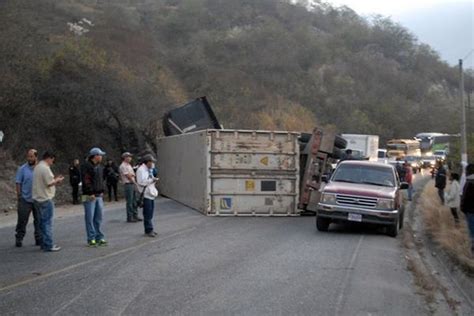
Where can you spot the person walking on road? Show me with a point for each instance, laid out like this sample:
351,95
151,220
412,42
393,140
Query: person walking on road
127,177
453,196
92,176
111,176
24,191
440,180
467,202
44,190
74,180
408,177
146,186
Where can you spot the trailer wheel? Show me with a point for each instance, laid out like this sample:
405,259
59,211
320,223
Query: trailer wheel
340,142
322,224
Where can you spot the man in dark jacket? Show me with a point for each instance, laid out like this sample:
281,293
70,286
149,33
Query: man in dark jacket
74,180
467,202
440,180
111,176
92,175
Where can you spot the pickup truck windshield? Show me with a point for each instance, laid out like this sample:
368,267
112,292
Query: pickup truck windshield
373,175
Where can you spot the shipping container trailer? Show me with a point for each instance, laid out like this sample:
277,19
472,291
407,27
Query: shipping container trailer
232,172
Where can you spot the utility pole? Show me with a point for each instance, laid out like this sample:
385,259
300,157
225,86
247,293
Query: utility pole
463,124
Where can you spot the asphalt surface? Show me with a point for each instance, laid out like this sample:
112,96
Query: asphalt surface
208,266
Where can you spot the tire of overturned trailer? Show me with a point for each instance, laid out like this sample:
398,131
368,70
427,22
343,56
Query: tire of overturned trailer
305,137
340,142
337,153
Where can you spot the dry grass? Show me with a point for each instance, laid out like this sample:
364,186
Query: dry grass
440,225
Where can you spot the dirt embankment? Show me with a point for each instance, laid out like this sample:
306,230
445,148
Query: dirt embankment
7,184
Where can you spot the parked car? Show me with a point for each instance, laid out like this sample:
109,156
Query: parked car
361,191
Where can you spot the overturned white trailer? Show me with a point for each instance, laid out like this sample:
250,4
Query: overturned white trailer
232,172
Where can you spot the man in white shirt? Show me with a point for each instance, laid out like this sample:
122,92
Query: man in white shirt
127,177
146,185
44,190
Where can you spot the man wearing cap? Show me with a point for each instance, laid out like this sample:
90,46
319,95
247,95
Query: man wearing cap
146,184
127,177
92,197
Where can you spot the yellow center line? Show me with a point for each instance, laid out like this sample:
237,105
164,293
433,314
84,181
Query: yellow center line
83,263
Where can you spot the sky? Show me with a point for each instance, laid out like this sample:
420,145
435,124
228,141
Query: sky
388,7
446,25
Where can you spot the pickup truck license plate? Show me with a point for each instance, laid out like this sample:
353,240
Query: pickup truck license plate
355,217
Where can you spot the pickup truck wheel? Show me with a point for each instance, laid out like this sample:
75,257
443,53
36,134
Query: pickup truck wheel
393,230
322,224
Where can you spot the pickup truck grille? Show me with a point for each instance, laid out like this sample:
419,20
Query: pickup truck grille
356,201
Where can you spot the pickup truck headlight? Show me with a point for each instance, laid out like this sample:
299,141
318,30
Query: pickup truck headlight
386,204
328,198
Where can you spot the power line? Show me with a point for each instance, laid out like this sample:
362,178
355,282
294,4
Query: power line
468,54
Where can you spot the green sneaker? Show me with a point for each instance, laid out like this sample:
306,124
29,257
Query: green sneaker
92,243
102,242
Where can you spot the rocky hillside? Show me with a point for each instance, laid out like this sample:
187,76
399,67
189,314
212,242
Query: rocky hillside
79,73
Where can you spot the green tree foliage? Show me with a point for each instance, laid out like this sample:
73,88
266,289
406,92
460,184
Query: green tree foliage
263,64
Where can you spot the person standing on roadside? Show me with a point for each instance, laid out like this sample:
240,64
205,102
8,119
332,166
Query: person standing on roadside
111,176
453,196
92,176
74,180
127,177
24,191
408,177
146,185
467,202
400,170
44,190
440,180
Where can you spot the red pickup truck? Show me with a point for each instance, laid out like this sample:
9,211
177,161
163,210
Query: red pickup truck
362,191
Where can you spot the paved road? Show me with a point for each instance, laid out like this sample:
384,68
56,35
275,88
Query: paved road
203,265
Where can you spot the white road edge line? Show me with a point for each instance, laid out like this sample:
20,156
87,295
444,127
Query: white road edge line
347,276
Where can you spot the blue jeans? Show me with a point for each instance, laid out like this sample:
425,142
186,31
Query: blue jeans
129,190
410,192
148,210
470,225
46,211
93,211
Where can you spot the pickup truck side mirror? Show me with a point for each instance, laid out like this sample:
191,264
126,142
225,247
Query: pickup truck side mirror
404,186
324,178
